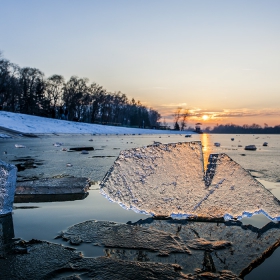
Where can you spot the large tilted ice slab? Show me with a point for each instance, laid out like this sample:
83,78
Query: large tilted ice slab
169,180
7,187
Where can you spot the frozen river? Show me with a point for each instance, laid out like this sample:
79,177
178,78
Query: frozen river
45,220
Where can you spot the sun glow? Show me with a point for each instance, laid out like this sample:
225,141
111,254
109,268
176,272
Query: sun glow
205,117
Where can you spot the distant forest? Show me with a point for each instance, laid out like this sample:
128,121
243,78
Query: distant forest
26,90
244,129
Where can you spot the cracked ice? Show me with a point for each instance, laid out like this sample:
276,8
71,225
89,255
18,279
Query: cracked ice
169,180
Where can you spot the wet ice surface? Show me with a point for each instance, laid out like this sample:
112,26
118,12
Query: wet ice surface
262,161
50,261
169,180
51,160
210,246
57,216
249,246
111,234
173,248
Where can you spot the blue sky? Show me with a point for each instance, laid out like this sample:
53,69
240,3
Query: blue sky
216,58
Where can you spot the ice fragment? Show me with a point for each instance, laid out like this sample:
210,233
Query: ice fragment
7,187
169,180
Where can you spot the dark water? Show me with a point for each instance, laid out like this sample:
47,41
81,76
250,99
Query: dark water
46,220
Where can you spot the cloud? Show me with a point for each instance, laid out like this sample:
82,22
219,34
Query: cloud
239,115
151,88
174,105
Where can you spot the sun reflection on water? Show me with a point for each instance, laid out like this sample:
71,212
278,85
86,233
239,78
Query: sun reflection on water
206,150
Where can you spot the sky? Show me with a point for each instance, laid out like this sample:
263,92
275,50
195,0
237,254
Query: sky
218,59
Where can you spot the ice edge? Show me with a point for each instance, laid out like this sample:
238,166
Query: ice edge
133,208
227,216
247,214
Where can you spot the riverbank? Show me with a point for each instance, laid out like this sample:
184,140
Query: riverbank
21,123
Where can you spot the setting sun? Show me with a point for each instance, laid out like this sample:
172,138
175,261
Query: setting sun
205,117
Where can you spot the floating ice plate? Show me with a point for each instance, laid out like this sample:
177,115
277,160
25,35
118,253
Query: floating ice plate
169,180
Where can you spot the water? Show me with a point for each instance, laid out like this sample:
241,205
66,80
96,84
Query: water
48,219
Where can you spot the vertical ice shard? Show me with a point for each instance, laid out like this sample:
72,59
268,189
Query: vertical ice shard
7,187
169,180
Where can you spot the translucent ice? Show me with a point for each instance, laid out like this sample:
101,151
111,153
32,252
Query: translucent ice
7,187
169,180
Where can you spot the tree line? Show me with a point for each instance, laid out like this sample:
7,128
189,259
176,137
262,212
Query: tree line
26,90
244,129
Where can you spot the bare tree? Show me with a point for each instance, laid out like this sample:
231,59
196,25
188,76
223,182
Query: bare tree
154,117
54,89
74,92
32,85
184,117
177,115
120,101
98,95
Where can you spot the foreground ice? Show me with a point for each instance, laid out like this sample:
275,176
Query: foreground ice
249,247
52,189
112,234
169,180
37,259
147,249
197,247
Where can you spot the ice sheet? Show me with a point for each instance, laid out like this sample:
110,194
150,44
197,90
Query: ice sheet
169,180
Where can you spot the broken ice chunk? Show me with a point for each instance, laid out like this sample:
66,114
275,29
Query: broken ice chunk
19,146
112,234
149,175
57,144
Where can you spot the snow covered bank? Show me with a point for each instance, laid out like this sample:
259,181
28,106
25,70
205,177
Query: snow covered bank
33,124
